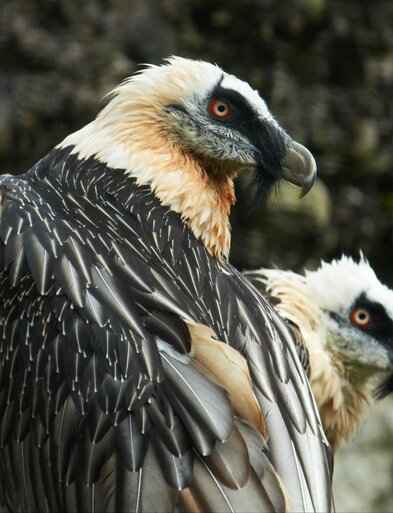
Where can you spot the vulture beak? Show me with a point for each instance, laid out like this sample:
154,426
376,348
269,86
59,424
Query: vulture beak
299,167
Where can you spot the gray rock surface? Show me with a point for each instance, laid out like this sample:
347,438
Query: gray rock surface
326,70
363,480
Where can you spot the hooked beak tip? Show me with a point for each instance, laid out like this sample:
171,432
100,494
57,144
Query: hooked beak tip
307,186
299,167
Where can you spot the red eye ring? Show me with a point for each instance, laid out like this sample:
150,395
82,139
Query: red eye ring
361,317
219,109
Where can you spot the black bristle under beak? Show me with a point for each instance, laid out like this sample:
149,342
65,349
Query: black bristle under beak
263,184
271,142
384,389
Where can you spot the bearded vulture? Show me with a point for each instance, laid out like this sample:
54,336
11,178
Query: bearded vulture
341,317
141,372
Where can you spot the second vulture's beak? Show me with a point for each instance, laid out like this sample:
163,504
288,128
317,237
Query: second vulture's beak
299,167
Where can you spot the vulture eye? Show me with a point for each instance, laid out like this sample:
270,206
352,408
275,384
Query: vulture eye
361,317
219,109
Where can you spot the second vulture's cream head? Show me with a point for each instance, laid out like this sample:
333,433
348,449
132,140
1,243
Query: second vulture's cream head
187,128
359,315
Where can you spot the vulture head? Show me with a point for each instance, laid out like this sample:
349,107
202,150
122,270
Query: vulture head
358,312
187,128
342,317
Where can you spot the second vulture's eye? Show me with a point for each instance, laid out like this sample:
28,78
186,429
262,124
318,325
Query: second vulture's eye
361,317
219,109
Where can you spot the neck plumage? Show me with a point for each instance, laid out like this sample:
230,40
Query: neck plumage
341,399
141,148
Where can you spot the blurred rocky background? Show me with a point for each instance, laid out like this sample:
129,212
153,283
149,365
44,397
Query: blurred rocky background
325,68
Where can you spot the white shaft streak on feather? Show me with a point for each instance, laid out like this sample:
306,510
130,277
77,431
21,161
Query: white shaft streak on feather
12,309
216,483
80,259
192,274
76,368
130,269
30,219
24,473
54,247
20,225
57,236
129,317
299,472
138,497
17,261
131,445
94,373
83,214
75,232
149,249
7,235
94,444
249,322
78,341
104,264
77,292
172,306
91,300
127,360
189,387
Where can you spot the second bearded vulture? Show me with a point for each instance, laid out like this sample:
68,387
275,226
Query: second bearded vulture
140,372
341,317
